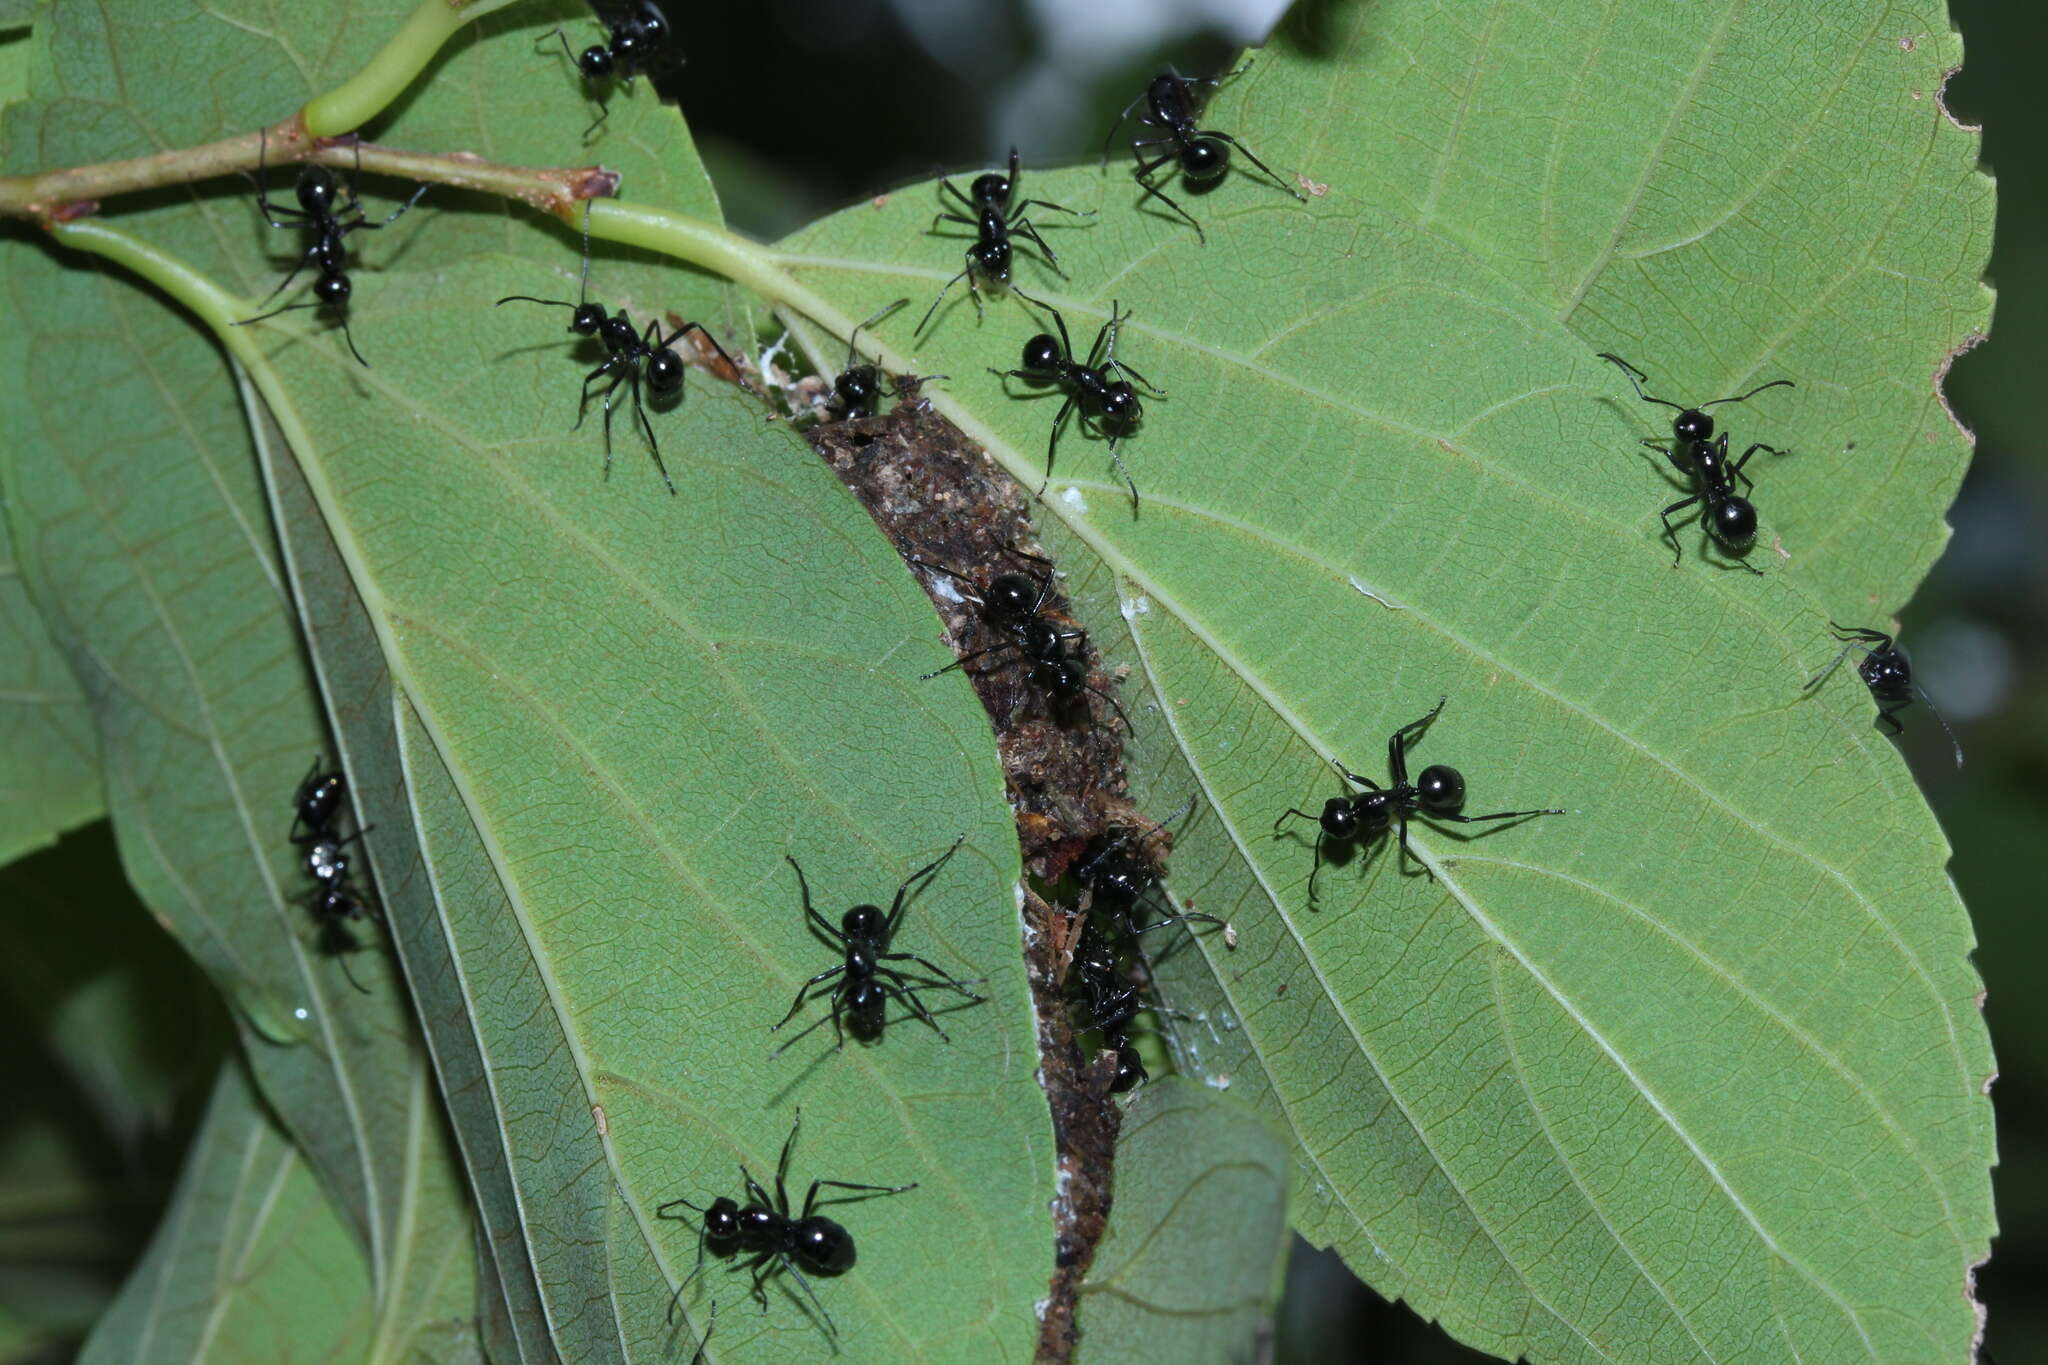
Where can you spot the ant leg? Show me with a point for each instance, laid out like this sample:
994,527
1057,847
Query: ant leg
701,330
1118,461
1875,637
286,282
1497,815
946,186
1888,719
1112,705
808,1029
583,399
1315,867
1397,743
1253,157
939,218
1053,442
966,659
646,427
604,111
1736,468
1673,454
811,1201
896,907
790,1266
1407,853
393,215
1670,531
1147,168
817,920
1636,378
1121,368
1291,811
1120,119
349,337
805,990
1023,227
936,302
943,980
902,988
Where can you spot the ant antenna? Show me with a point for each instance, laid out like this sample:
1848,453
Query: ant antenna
851,353
1936,713
1775,383
293,308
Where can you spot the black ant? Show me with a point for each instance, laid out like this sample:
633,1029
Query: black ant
1695,453
1438,793
627,355
1108,404
858,389
996,216
765,1230
1112,1004
1117,871
1203,154
1888,673
864,934
1013,604
329,208
636,39
316,805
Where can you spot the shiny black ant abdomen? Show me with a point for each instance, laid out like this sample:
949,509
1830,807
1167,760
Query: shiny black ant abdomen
765,1230
865,982
1202,155
638,38
1888,673
329,208
1106,399
1701,458
333,901
1438,793
997,214
630,357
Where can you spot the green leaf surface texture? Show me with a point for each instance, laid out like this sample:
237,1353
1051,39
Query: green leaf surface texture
1695,1071
252,1263
1197,1243
49,771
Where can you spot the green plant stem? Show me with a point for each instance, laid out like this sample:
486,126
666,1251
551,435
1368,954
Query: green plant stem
366,94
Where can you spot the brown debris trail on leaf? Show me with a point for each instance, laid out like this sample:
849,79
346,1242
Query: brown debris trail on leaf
942,501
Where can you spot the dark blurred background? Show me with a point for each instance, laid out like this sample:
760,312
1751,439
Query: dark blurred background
892,89
889,90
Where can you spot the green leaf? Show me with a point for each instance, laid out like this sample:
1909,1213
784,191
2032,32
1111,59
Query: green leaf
1197,1242
49,775
1714,1032
606,711
252,1263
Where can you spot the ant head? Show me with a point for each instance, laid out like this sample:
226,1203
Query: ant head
722,1220
1120,404
857,389
1734,522
316,190
1888,673
1440,789
664,372
1339,819
1130,1069
617,333
991,259
1042,354
331,289
1117,872
1204,159
991,192
1010,594
595,62
326,862
1692,425
588,319
862,922
319,797
823,1247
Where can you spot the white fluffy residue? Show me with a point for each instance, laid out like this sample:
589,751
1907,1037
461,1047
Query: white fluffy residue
1071,496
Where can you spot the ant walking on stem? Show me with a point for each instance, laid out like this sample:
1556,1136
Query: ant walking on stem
329,208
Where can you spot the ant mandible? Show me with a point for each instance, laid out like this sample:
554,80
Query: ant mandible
765,1230
997,214
858,389
864,934
1695,453
1110,405
1438,793
637,38
1203,154
319,193
1888,673
1013,604
627,355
